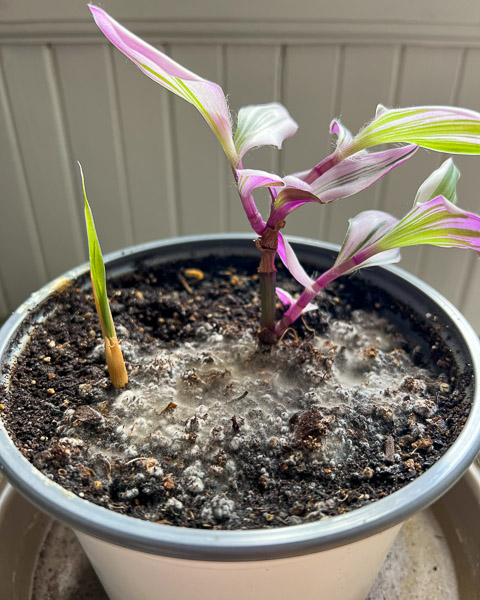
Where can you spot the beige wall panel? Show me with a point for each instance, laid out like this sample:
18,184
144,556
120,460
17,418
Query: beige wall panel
470,301
365,80
407,11
145,123
32,87
309,86
90,98
252,76
22,265
198,155
427,76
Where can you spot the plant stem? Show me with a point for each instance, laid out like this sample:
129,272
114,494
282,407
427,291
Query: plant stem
296,309
268,244
267,296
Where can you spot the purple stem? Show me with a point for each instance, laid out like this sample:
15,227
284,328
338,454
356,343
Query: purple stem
268,297
253,215
296,309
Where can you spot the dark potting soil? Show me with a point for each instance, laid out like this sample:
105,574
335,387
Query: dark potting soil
214,431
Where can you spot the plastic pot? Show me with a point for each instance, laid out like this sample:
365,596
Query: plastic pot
333,559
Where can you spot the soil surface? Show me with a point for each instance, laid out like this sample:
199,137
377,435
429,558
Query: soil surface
217,431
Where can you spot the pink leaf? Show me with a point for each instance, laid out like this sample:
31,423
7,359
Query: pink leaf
358,172
363,231
206,96
344,179
295,193
290,260
285,297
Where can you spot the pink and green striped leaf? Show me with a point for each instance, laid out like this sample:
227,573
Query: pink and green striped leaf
206,96
363,231
441,128
359,172
348,177
437,222
374,237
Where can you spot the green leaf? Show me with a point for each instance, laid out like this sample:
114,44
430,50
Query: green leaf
437,222
97,268
440,128
442,182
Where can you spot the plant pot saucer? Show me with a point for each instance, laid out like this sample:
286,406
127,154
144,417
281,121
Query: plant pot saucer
436,556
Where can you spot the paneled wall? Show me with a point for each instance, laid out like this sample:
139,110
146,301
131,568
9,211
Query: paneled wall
153,169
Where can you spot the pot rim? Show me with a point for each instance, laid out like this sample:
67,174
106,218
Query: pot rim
256,544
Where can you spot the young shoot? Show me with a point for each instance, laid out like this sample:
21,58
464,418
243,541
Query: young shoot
373,237
113,352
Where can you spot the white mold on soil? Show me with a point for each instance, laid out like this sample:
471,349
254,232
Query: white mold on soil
202,390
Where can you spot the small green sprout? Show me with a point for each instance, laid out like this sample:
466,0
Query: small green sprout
113,352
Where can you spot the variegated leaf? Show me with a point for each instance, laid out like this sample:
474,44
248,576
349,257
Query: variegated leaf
263,125
441,128
442,182
206,96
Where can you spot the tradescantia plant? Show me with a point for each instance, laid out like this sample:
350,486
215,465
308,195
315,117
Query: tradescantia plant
373,237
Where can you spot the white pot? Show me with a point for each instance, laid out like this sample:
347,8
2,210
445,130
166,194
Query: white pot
343,573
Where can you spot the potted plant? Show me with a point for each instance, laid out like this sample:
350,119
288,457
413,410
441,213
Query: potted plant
336,556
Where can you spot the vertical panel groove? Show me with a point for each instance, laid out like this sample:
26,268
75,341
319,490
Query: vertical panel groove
281,92
226,172
173,171
459,73
66,153
397,74
30,216
392,99
278,97
119,148
222,167
467,283
334,104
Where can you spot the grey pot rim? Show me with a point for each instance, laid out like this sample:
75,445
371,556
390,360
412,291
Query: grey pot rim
257,544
